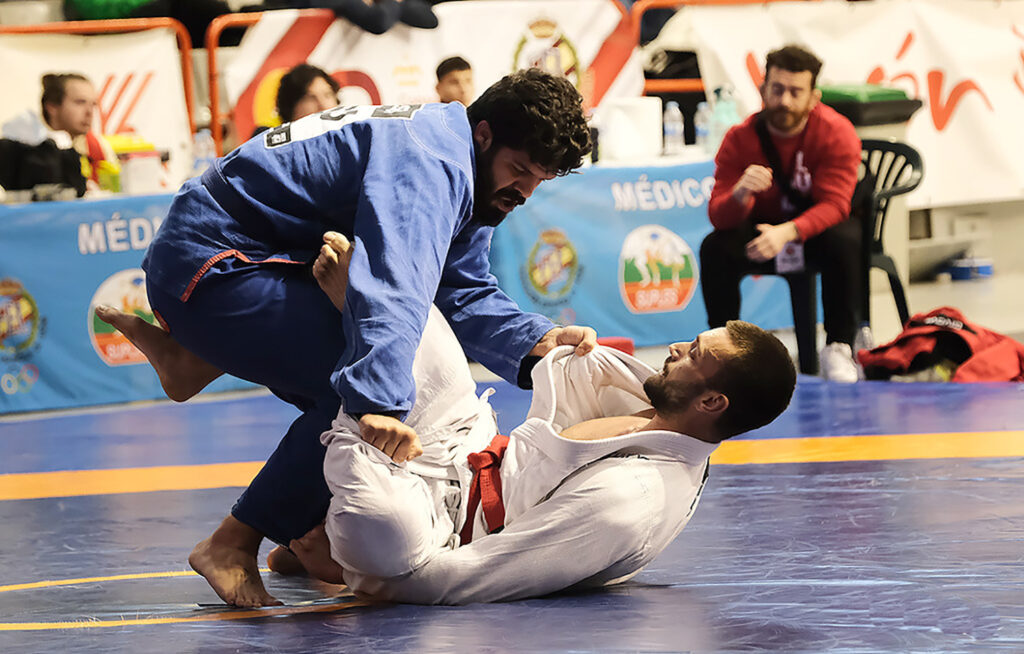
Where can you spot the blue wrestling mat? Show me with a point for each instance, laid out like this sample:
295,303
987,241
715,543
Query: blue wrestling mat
873,517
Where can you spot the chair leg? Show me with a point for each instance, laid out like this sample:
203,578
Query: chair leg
885,263
803,296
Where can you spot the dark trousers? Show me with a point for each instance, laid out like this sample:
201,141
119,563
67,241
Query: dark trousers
271,325
835,253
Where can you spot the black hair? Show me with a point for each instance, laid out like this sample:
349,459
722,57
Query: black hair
537,112
794,59
294,85
55,88
452,65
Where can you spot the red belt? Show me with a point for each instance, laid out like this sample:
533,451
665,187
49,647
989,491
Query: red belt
486,488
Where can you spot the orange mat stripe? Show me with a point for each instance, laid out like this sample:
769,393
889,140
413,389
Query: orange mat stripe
993,444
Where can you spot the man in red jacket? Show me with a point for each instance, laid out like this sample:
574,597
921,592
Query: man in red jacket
784,178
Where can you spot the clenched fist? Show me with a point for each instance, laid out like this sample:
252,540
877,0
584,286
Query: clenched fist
391,436
755,179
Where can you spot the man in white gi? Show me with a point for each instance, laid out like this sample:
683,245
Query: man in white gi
603,475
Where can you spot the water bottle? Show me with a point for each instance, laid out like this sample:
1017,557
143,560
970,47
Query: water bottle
702,127
672,124
204,151
724,116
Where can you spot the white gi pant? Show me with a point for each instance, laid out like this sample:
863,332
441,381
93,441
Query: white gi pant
386,519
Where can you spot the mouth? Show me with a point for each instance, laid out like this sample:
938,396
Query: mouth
507,203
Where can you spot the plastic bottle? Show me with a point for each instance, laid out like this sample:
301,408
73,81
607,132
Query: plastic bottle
724,116
702,127
672,125
204,151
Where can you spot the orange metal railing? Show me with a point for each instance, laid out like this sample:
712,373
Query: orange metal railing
677,85
213,32
125,25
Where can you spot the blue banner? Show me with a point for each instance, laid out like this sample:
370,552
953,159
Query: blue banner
58,261
617,249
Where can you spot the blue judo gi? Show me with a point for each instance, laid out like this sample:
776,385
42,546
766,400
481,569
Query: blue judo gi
228,273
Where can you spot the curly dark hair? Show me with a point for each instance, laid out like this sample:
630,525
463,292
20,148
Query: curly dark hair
294,85
537,112
794,59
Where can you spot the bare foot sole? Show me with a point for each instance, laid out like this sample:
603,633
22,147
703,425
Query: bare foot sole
284,562
232,573
182,374
314,552
331,268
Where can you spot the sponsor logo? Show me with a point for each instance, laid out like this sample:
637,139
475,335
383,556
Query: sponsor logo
124,290
19,379
20,323
279,136
546,46
551,267
657,270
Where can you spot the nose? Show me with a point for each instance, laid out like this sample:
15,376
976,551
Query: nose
676,349
527,185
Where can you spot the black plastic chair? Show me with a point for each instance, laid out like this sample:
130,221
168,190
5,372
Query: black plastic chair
889,168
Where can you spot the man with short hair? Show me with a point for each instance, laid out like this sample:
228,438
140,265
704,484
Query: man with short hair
69,103
604,473
455,81
786,176
417,189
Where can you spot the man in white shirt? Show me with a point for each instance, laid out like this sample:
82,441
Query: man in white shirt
601,477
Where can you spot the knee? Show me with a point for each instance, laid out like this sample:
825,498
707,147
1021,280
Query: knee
378,545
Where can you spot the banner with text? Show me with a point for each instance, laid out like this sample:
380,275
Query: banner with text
137,77
58,262
588,41
617,249
964,59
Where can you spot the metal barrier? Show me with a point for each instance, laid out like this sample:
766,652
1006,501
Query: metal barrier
218,25
637,11
119,25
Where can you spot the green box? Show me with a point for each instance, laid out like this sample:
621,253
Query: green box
870,104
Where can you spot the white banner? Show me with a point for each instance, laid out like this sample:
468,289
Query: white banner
589,41
963,58
137,76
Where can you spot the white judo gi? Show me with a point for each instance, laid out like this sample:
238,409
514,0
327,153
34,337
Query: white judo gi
578,514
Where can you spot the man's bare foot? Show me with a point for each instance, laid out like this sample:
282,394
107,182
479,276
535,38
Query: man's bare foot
182,374
331,267
227,560
282,561
314,552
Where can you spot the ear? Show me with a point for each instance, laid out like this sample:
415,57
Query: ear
483,136
815,98
712,403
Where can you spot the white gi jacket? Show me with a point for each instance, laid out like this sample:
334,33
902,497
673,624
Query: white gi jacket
578,514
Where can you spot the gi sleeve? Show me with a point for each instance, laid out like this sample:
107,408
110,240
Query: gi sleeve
406,215
597,519
492,329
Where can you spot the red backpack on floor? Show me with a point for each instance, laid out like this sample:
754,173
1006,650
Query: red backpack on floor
944,334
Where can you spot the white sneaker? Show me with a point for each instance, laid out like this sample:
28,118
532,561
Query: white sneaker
837,364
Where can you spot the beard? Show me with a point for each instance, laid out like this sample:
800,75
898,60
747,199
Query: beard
484,193
671,397
784,120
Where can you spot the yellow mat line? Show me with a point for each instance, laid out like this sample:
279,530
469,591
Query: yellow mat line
992,444
53,583
207,617
68,483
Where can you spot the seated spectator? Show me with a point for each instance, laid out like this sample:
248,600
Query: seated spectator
304,90
785,176
68,106
455,81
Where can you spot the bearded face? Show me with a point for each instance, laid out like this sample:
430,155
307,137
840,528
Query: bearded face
670,396
788,99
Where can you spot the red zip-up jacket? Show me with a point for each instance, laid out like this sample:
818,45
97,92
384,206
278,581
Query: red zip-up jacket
821,162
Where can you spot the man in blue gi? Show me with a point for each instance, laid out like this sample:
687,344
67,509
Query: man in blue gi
417,189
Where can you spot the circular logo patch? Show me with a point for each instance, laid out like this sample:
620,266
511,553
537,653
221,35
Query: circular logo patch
19,318
657,270
551,267
124,290
546,46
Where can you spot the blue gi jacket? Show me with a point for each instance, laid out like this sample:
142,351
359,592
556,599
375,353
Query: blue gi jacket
396,180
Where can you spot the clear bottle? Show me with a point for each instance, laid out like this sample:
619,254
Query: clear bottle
724,116
204,151
672,125
702,127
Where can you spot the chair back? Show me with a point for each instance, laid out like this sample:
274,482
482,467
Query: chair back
897,168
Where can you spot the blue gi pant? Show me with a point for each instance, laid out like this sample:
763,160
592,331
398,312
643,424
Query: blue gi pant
272,325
